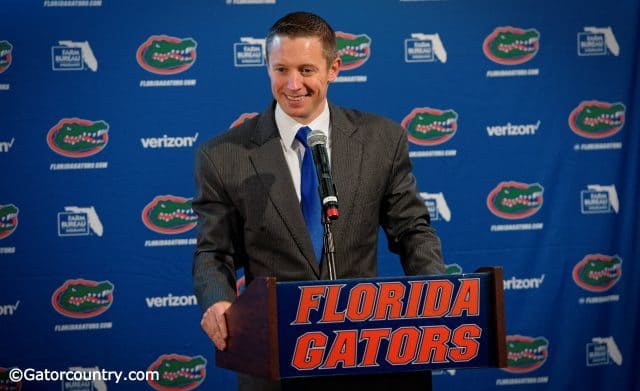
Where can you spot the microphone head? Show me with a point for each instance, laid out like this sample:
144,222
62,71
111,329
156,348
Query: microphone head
316,137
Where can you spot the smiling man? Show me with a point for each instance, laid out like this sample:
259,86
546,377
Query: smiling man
251,196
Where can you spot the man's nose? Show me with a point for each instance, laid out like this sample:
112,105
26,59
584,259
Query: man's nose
295,81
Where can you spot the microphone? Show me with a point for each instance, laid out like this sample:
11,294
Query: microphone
317,141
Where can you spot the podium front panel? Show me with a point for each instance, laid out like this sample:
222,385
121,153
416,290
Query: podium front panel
380,325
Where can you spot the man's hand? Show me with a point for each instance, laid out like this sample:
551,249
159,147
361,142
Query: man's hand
214,323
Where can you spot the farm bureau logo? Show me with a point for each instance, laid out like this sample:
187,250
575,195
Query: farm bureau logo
6,55
424,48
8,219
177,372
249,52
437,206
597,41
525,354
353,50
242,118
169,214
515,200
427,126
82,299
73,56
600,350
597,272
79,221
599,199
595,119
511,45
165,55
75,137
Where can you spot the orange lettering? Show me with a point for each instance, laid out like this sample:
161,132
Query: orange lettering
372,347
433,343
413,303
330,314
464,337
361,309
343,350
309,351
389,301
467,298
309,300
438,300
403,345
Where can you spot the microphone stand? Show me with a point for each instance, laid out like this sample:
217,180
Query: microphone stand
329,248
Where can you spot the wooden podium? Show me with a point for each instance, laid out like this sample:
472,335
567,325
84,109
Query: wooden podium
360,326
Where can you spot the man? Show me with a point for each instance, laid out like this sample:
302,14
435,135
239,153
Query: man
250,189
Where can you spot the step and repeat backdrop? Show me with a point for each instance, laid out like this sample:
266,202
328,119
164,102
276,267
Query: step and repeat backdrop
523,130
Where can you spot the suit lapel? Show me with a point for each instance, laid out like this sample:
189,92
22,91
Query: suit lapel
270,165
346,160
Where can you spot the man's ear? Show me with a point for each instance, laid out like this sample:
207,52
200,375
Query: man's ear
334,69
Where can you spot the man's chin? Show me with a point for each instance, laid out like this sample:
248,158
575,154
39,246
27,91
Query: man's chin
297,113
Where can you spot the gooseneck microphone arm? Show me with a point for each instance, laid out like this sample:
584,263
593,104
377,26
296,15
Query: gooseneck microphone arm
317,141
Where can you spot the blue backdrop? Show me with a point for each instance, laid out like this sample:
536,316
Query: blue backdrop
524,133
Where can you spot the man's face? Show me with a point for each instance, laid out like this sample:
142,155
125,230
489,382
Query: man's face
300,76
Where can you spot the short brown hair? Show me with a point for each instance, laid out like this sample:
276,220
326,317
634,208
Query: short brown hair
305,24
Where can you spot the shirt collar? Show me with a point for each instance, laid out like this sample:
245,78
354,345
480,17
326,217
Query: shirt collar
288,127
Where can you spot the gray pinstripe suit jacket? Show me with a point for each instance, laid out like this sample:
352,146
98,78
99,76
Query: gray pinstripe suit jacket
249,214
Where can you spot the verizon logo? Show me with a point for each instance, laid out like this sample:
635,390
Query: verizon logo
6,146
513,130
523,283
9,309
171,301
168,142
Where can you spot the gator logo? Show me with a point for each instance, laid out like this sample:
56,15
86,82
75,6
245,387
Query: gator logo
83,298
353,50
6,384
597,272
75,137
525,354
8,220
453,268
6,50
515,200
165,55
242,118
169,214
177,372
595,119
427,126
511,45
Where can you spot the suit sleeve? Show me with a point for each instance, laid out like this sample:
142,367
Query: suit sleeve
405,219
213,262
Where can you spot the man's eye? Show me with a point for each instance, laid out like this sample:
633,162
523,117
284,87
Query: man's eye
307,71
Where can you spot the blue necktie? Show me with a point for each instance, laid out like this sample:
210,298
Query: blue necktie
310,199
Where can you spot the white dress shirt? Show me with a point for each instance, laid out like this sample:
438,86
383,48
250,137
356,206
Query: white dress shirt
292,148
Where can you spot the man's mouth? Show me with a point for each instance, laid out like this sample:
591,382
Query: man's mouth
295,98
